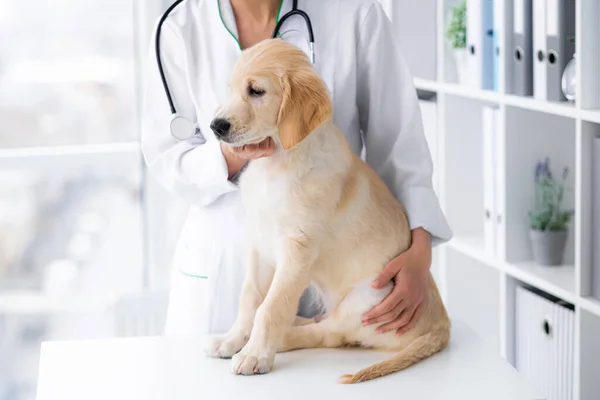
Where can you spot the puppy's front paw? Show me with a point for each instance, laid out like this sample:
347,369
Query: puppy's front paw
251,363
226,346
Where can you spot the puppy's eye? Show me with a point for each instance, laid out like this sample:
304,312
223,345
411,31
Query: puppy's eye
255,92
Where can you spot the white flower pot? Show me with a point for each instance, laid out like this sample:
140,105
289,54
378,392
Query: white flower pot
460,60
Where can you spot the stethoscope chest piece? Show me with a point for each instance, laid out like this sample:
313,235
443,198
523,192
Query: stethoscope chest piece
182,128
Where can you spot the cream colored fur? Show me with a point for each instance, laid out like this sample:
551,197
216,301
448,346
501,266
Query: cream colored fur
315,214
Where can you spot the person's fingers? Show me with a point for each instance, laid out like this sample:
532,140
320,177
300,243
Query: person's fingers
387,305
412,322
387,317
256,150
265,144
404,319
237,150
388,273
246,151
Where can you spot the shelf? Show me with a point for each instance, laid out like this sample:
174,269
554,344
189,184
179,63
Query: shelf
471,93
590,304
558,281
561,109
426,84
591,116
528,130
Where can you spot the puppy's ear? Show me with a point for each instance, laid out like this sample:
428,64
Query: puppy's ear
305,105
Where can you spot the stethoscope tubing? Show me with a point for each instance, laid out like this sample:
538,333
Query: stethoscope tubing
179,119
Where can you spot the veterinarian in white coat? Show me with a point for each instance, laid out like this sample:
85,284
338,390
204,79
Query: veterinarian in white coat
375,105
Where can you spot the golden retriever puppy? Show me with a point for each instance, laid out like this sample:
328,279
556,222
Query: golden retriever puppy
315,214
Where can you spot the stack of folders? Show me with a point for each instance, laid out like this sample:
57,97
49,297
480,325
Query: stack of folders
544,43
596,217
493,178
482,43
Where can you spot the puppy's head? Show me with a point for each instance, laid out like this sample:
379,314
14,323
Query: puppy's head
274,92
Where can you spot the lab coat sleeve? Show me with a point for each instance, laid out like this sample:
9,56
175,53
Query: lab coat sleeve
390,118
195,169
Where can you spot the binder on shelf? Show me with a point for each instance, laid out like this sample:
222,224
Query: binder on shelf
489,129
522,59
596,217
554,46
497,34
500,187
539,50
480,43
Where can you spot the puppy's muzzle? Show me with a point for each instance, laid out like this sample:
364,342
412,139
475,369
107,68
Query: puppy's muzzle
221,127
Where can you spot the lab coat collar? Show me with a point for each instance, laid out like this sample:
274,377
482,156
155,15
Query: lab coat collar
228,18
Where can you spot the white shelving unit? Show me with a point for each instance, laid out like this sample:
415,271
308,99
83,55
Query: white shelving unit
477,286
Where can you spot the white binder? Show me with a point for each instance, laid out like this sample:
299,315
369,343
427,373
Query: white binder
539,50
489,130
500,187
480,43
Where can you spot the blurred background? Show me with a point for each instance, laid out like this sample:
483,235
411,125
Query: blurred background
78,215
86,236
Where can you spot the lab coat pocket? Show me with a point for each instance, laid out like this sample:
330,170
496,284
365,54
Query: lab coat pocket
195,253
212,248
225,284
189,307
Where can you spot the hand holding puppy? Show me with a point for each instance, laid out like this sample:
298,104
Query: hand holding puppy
237,157
410,273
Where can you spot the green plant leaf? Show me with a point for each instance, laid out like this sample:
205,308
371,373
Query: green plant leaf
456,30
547,213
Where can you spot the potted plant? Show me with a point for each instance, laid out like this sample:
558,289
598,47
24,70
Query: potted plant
456,35
548,221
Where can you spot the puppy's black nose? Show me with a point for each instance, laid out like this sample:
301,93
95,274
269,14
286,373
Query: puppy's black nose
220,126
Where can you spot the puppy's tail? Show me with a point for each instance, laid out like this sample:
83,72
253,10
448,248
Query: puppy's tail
419,349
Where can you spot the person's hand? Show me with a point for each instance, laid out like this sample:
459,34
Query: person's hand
401,309
237,157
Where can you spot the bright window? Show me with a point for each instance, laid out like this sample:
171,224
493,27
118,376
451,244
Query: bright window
67,72
84,240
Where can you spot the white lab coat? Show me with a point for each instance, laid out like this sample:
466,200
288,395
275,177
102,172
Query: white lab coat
375,105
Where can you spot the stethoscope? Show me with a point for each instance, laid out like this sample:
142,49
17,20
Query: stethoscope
181,127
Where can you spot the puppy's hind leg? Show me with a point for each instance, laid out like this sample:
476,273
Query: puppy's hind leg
300,321
310,336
